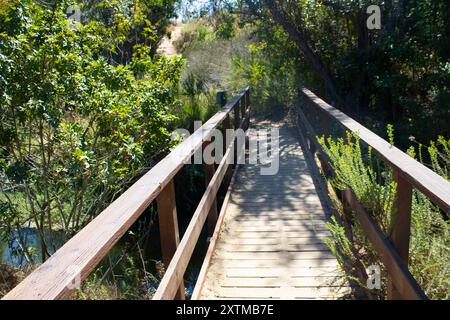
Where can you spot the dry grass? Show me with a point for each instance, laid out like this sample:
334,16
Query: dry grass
10,277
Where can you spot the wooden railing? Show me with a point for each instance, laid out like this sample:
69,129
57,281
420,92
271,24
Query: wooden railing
57,277
408,174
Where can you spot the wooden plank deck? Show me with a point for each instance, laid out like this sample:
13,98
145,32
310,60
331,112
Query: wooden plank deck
269,244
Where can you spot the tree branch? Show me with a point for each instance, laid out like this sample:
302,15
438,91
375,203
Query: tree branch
298,37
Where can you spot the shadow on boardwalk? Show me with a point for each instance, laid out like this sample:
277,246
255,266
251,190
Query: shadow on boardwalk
271,244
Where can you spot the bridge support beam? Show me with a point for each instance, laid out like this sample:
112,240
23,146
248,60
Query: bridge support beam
210,169
401,230
237,124
168,228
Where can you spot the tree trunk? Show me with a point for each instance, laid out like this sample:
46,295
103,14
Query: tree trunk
302,43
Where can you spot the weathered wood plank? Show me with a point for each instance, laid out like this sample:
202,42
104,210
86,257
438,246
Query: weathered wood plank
280,223
272,248
275,234
280,255
213,242
283,293
272,241
297,228
175,271
326,281
402,228
280,213
209,173
168,226
258,271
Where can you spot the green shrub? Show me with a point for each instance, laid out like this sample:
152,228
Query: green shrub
76,128
374,187
225,28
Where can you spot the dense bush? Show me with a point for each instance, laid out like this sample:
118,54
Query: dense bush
76,127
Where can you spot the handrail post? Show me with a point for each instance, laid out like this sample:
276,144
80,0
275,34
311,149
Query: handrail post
248,98
308,113
168,228
325,124
226,125
237,123
401,230
237,116
247,107
210,169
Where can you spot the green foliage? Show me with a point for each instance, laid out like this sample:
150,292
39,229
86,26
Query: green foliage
272,77
354,255
123,276
225,27
208,60
76,127
375,189
399,74
198,103
339,244
193,85
194,34
438,153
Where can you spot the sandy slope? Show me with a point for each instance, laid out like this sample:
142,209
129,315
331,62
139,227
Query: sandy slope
166,46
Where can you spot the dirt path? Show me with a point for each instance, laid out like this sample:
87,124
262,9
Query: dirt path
166,46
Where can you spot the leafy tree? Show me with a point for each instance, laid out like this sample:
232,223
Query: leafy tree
398,74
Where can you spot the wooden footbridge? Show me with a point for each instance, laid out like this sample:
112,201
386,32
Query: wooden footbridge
270,243
267,237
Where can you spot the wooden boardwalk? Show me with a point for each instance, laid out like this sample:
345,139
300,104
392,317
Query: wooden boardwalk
269,240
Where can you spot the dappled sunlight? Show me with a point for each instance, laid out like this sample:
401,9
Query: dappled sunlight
272,241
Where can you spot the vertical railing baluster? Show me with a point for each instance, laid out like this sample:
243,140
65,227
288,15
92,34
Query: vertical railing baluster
401,230
248,98
210,169
237,122
168,228
312,145
225,126
307,111
247,106
325,124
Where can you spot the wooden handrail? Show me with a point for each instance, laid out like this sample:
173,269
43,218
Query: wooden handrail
408,173
73,262
396,267
436,188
